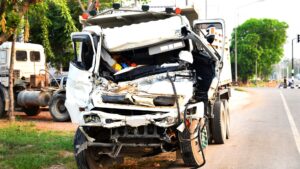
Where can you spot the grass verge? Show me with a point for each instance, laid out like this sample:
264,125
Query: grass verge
24,147
239,89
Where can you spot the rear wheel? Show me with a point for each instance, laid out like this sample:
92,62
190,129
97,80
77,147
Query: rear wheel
57,108
193,145
219,123
2,110
89,157
32,111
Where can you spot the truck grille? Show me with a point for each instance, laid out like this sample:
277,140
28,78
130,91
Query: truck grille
149,131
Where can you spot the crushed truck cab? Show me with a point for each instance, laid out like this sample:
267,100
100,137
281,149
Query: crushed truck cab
148,82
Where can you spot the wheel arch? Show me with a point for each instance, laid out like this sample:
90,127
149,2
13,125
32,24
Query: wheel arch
225,94
60,91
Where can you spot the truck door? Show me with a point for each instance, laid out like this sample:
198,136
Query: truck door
81,70
213,31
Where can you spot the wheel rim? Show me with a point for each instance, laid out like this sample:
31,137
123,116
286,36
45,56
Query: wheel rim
202,140
60,106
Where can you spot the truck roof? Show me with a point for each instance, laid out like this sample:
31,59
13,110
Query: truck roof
121,17
25,46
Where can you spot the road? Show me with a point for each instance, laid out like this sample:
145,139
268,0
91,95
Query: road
261,133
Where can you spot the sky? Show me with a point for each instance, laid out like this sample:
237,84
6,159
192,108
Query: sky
235,12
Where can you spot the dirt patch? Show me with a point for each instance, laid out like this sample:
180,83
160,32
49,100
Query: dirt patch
57,167
43,121
162,161
65,154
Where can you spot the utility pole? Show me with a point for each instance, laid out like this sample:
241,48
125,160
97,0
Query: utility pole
293,71
205,9
235,54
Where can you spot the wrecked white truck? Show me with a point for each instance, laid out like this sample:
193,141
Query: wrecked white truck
143,82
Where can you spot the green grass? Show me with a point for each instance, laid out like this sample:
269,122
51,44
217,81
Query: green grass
23,147
240,89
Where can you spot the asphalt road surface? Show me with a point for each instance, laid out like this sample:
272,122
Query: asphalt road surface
264,133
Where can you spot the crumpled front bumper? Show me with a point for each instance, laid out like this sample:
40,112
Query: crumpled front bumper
109,120
161,117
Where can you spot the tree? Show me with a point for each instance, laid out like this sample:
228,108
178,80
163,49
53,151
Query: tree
261,41
52,22
12,13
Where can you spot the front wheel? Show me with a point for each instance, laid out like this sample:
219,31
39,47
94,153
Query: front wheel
89,158
193,144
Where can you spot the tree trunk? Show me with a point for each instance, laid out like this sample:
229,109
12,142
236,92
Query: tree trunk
11,79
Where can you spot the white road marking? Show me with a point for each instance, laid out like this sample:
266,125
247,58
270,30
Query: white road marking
292,122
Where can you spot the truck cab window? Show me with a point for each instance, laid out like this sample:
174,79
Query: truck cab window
35,56
21,55
83,54
3,57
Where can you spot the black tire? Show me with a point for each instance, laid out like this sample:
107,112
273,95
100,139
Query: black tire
89,158
191,150
3,113
57,108
32,111
227,111
219,123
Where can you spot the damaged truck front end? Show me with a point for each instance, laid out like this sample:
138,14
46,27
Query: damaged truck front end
141,89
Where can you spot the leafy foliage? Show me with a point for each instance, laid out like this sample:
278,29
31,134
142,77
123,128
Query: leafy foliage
11,13
258,40
51,25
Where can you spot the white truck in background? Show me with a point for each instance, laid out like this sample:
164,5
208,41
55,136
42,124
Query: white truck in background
31,82
145,82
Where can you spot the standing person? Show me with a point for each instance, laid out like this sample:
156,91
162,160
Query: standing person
284,82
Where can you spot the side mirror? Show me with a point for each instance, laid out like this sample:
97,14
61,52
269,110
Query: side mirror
210,38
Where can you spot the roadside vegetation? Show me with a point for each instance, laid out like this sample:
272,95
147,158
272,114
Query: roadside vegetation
260,45
261,83
24,147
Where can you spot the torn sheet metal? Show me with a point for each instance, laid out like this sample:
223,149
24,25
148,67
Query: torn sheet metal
161,119
149,91
143,34
159,84
77,91
143,101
